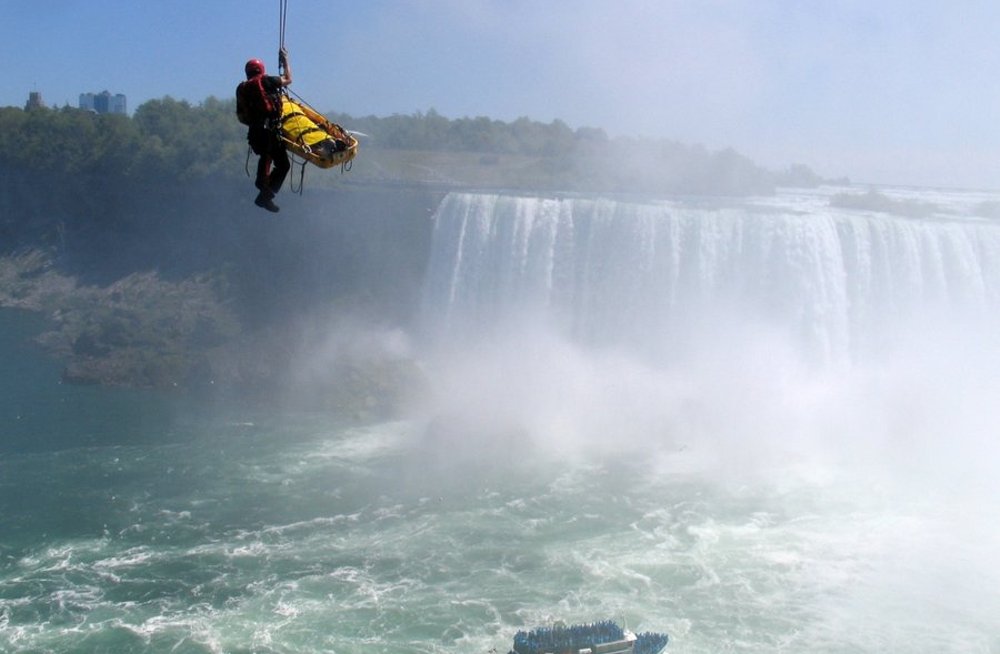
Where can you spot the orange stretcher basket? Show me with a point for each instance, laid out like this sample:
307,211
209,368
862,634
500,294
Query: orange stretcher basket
307,133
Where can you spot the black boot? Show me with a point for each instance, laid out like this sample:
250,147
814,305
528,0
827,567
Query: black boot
265,201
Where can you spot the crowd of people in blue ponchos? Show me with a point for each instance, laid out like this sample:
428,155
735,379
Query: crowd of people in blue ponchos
563,639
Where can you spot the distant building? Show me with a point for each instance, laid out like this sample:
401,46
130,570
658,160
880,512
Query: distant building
103,102
34,101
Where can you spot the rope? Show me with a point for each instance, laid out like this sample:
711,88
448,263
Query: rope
298,98
302,175
283,12
282,21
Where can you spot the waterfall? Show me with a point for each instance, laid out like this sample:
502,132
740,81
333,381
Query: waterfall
657,276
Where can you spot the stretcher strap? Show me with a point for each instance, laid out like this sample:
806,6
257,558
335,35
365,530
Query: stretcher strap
300,136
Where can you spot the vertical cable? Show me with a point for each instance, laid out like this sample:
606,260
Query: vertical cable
282,13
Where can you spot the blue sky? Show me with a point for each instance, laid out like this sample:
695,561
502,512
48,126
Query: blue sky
885,91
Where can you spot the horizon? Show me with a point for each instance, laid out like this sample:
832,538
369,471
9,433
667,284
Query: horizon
896,94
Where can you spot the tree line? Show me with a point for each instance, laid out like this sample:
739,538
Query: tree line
165,139
173,141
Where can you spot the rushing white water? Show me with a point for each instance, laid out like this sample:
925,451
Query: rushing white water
659,275
773,344
757,426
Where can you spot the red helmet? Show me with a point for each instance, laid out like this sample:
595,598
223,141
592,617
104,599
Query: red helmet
254,67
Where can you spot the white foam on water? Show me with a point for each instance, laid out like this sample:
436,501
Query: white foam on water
737,496
816,357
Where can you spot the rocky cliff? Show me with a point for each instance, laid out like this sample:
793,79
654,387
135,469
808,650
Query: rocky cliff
205,291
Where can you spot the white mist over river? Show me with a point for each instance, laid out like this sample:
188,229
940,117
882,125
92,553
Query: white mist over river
756,425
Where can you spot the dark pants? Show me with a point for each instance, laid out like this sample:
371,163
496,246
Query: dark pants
271,149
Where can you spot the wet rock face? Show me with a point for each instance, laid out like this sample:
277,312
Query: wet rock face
146,332
140,331
224,308
29,281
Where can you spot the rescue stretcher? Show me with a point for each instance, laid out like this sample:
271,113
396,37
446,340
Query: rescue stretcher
308,134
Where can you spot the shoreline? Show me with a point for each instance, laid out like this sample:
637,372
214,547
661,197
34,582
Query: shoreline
143,332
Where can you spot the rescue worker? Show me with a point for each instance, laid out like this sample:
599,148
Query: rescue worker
258,106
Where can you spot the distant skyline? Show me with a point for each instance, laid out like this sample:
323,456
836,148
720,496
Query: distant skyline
882,91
